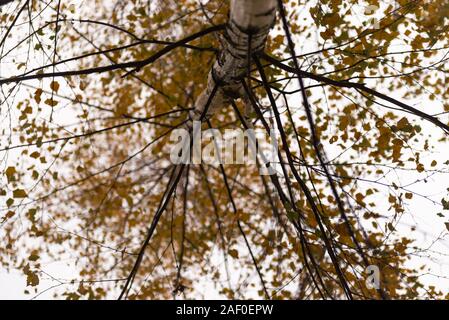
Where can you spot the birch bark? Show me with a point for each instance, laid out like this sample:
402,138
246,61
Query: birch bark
249,23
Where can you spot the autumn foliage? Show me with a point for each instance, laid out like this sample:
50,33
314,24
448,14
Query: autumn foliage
90,92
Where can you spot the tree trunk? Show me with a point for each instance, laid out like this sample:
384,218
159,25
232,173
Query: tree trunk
246,33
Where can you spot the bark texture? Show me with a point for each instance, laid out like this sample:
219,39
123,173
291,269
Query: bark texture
249,23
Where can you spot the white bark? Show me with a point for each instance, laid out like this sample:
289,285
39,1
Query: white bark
246,33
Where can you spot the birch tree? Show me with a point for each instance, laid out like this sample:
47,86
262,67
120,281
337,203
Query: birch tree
357,93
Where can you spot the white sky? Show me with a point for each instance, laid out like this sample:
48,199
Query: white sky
424,214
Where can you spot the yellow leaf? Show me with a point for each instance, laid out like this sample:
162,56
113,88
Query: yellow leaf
35,155
54,85
37,95
32,278
51,102
420,167
234,253
8,215
10,171
9,202
404,125
19,193
33,256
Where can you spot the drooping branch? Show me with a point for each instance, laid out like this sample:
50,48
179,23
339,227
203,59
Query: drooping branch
245,34
118,66
357,86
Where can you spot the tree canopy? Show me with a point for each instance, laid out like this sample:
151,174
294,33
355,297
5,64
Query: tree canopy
91,91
